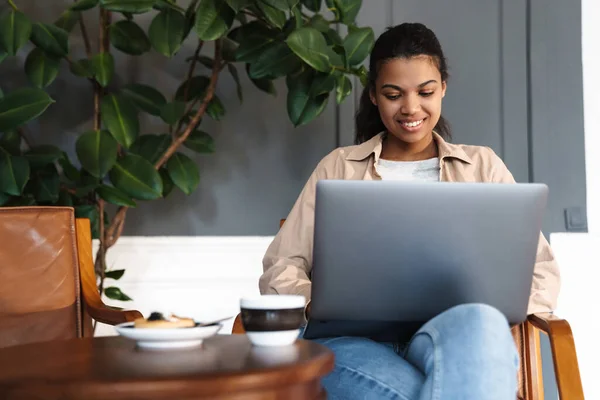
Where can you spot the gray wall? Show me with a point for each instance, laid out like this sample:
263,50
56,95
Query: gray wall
516,86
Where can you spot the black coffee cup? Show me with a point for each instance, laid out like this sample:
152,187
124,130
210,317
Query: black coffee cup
272,320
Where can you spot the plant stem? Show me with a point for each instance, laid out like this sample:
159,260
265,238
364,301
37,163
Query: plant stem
22,133
186,92
103,43
100,266
191,70
177,7
116,226
84,34
210,91
103,46
13,5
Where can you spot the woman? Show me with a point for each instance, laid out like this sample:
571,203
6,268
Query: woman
466,352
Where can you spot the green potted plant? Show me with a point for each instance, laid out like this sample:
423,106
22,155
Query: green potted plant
314,51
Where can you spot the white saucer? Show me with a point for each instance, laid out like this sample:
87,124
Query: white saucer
164,339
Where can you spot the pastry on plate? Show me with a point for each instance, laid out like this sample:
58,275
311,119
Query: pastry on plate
157,321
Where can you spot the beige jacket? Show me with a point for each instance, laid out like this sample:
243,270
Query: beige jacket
288,260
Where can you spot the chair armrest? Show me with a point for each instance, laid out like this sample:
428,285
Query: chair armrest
238,326
93,303
564,354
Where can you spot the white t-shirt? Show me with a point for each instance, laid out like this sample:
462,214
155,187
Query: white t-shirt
425,170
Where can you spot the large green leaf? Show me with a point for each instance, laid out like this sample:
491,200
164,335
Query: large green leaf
251,28
40,68
265,85
184,172
236,78
42,155
50,38
204,60
172,112
274,16
358,45
67,20
136,177
252,46
128,37
301,106
65,199
237,5
103,65
115,274
322,84
362,74
83,68
69,170
166,32
21,106
283,5
83,5
318,22
312,5
197,88
97,152
14,173
276,61
15,31
228,49
190,18
151,147
333,38
215,109
213,19
200,142
346,10
115,196
310,45
145,97
11,142
45,185
343,88
4,198
115,293
167,182
128,6
120,118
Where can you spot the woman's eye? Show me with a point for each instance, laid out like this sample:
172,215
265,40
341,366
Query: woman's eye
392,96
426,94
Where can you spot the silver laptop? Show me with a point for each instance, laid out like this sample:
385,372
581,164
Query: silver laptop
388,256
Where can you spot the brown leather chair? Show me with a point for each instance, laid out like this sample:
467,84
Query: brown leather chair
47,283
527,339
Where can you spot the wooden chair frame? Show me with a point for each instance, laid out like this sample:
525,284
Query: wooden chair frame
92,304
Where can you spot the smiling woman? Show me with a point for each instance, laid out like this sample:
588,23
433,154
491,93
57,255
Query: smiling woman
400,135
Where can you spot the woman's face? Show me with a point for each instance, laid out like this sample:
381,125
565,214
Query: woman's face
408,94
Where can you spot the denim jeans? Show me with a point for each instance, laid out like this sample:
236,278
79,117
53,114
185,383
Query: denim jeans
465,353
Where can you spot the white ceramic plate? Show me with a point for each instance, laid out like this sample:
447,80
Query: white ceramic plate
176,338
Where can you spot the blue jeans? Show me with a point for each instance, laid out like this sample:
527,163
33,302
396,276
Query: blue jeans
464,353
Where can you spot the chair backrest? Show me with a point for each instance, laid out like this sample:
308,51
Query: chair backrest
39,275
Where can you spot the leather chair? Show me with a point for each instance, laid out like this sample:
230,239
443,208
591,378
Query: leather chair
527,340
47,283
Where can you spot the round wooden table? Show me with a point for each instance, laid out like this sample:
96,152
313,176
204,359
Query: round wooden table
226,367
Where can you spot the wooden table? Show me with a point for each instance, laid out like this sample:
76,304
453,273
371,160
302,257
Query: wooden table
226,367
